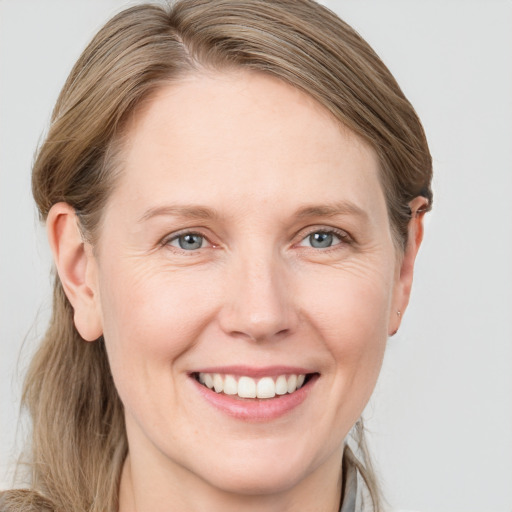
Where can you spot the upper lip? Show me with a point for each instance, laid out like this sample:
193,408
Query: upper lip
255,372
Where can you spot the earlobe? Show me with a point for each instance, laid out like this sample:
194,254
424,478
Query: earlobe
77,269
403,286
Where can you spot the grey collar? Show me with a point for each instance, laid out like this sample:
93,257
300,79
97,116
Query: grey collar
350,488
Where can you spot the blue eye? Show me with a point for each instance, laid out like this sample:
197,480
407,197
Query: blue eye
188,241
321,240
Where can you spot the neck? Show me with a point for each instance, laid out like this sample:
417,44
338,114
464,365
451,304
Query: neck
177,489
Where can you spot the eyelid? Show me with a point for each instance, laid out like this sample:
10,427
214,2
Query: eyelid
343,235
167,239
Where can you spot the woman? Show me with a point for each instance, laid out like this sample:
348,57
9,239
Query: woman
234,195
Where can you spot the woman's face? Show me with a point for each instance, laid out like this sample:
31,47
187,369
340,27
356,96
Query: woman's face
247,243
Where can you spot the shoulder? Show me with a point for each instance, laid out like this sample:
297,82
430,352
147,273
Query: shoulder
24,500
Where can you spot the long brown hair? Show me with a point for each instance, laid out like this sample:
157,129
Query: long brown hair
79,443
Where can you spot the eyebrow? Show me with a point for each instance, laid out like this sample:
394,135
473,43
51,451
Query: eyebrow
331,210
197,212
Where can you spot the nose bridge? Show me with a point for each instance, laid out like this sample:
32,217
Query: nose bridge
258,304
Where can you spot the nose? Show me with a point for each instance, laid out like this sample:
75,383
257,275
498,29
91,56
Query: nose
258,303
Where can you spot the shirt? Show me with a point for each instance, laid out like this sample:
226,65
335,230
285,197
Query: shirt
351,485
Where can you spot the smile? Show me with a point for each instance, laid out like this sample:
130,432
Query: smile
254,394
247,387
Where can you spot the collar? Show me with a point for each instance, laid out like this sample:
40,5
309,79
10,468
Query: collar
350,487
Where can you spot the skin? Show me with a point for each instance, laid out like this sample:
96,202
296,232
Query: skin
255,151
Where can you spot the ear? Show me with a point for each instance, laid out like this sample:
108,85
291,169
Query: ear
77,269
403,285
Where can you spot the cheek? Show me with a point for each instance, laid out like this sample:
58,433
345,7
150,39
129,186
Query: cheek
351,302
150,318
351,314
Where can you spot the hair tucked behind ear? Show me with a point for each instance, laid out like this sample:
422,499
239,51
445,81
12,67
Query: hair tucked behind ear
79,442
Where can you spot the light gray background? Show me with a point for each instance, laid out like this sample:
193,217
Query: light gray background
441,418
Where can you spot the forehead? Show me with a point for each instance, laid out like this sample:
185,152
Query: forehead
241,137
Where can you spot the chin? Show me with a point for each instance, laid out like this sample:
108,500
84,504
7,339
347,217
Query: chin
263,469
248,478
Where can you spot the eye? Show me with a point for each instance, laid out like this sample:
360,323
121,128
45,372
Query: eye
322,239
188,241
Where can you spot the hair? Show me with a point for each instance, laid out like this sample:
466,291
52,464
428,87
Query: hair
78,442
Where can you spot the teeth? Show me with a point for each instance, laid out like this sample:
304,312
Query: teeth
218,383
266,388
208,380
247,387
292,383
281,385
230,385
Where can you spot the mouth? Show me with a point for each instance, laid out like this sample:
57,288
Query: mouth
255,394
247,387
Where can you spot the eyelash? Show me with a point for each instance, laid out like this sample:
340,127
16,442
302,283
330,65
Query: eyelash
343,236
166,242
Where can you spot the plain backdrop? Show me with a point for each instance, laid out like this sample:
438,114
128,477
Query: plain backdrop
440,420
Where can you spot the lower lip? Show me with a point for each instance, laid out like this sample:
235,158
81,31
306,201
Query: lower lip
254,409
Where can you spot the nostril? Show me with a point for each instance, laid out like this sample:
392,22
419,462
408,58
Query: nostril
261,335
